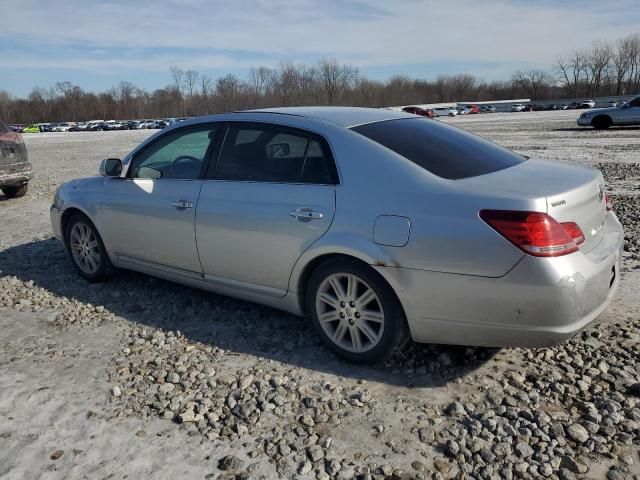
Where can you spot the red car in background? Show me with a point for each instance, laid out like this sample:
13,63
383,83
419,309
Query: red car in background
423,112
473,109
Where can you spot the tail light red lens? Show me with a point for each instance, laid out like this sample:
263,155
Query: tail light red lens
608,202
535,233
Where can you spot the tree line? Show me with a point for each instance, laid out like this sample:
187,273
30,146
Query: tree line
603,69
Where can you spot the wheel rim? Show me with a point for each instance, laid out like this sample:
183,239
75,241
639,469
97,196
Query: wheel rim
350,313
84,248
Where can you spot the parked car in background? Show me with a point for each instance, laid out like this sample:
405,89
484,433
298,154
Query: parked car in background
602,118
573,105
33,128
15,169
445,112
132,124
423,112
564,106
612,103
462,110
64,127
78,127
473,109
299,214
488,109
587,104
517,107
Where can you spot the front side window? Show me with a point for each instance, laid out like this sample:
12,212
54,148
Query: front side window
176,155
266,153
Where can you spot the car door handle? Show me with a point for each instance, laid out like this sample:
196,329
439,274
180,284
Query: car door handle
180,204
305,214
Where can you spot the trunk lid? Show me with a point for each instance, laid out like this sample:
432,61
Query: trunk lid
573,193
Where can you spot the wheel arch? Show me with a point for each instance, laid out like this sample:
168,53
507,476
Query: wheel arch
310,266
601,117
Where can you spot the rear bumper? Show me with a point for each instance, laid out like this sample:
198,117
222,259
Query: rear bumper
17,177
540,302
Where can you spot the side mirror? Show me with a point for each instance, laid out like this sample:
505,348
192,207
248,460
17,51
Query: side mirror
111,167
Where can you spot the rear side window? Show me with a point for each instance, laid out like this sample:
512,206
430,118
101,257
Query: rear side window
445,151
268,153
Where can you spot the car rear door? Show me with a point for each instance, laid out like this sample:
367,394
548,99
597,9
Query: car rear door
148,218
269,196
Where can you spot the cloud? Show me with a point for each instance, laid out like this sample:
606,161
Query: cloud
149,35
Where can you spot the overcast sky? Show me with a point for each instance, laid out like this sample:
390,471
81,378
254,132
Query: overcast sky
96,43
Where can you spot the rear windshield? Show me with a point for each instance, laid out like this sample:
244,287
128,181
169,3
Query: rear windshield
443,150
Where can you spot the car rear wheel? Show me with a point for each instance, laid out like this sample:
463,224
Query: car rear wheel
15,192
355,312
87,250
601,123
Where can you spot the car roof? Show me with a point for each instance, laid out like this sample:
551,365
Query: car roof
342,116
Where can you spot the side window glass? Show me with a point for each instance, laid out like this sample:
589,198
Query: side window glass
177,155
271,154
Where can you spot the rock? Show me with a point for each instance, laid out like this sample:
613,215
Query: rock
116,391
523,450
451,448
166,387
577,433
569,463
455,409
187,416
305,468
307,421
56,455
315,453
566,474
245,382
230,462
173,377
426,435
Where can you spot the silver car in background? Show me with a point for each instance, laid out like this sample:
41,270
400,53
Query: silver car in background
374,224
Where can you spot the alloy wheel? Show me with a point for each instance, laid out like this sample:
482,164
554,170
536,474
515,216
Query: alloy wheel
84,248
350,312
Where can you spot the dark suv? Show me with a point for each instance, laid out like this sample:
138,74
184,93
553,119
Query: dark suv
15,170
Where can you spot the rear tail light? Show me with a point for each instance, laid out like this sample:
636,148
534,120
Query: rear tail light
535,233
608,202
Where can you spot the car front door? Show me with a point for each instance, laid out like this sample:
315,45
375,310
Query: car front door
148,217
270,195
630,112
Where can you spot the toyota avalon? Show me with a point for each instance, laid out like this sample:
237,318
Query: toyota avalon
374,224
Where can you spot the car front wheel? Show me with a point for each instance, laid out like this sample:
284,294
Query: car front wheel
87,250
355,312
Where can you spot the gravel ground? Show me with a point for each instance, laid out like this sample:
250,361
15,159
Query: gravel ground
141,378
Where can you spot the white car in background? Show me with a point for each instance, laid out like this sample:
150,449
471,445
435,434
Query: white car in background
517,107
588,104
445,112
602,118
63,127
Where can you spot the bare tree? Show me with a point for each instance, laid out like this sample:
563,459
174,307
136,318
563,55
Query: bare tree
596,64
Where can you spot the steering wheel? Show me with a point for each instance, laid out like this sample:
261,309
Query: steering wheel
185,166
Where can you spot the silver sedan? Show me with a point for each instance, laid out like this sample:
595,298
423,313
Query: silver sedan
374,224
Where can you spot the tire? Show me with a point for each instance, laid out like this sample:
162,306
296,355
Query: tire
16,192
601,123
373,332
87,250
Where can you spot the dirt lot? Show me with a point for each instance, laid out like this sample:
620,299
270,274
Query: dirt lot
141,378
